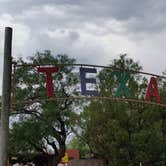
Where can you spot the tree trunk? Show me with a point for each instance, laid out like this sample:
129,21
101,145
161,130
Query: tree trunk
54,160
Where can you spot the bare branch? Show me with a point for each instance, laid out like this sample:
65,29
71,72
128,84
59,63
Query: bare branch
25,111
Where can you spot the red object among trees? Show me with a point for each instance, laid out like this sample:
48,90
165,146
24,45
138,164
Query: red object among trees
73,154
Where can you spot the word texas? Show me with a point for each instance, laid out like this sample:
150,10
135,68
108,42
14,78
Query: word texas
152,90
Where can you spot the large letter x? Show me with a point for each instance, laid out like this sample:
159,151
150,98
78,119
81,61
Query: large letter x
122,90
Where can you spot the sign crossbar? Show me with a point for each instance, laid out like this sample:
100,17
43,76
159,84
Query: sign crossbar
89,98
89,65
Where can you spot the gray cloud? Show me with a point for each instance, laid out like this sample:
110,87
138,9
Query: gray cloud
92,31
141,15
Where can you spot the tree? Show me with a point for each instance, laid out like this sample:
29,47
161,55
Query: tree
42,125
124,133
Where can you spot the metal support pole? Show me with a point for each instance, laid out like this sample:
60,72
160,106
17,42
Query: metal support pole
6,95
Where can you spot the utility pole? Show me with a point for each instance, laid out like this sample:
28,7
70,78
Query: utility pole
6,95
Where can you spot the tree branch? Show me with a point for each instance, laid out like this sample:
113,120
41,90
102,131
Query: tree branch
52,144
25,111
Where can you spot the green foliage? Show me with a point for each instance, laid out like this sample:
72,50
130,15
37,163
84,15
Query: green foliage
124,133
42,125
109,82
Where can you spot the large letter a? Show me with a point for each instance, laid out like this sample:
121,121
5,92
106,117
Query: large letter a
153,90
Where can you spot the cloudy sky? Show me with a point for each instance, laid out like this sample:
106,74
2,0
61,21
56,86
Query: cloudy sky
92,31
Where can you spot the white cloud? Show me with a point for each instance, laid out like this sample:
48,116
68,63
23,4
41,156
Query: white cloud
91,31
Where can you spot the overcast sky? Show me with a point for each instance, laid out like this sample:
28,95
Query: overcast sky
92,31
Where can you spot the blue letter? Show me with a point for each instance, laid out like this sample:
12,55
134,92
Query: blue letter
85,80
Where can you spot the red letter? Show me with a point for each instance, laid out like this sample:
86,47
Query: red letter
49,84
153,90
